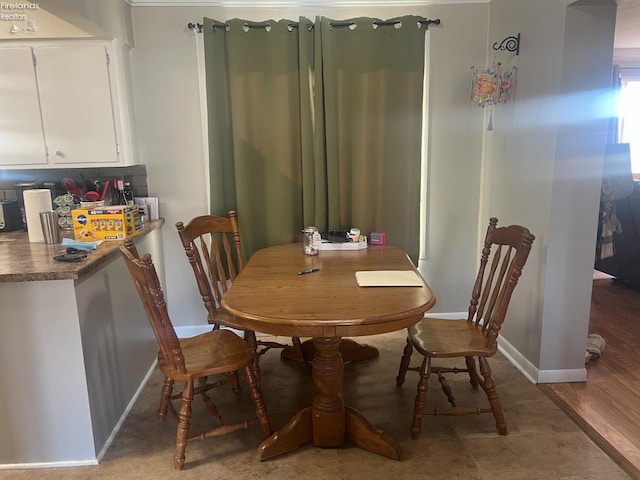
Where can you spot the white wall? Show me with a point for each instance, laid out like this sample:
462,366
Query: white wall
169,123
454,157
545,162
586,80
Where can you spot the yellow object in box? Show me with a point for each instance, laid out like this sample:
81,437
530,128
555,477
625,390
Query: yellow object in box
115,222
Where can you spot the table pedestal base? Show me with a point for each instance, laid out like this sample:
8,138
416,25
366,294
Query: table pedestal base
299,431
328,422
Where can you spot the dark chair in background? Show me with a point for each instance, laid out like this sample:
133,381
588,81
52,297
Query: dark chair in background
192,360
618,240
474,337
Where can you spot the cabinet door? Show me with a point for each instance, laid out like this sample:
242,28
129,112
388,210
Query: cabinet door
21,137
77,111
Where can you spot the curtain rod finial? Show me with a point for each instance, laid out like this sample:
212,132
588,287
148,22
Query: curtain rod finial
195,27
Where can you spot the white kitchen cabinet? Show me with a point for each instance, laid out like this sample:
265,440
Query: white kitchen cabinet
78,95
77,110
21,135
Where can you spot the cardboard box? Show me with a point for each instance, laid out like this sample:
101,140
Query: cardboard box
115,222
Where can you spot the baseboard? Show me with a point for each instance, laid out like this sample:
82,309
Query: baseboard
528,369
532,373
562,376
25,466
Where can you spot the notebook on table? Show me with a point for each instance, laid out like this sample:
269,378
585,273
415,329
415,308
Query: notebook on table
389,278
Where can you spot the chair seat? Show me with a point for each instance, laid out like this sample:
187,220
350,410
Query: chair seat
442,338
210,353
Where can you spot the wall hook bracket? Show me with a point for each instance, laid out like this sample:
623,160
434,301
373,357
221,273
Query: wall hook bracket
510,44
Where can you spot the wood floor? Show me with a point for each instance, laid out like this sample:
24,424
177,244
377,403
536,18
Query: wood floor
607,406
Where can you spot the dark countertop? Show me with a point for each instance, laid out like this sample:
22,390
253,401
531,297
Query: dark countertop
23,261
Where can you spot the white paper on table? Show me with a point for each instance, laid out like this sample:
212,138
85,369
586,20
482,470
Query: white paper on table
342,246
389,278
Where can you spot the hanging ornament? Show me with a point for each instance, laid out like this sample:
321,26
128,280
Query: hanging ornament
484,86
506,85
492,86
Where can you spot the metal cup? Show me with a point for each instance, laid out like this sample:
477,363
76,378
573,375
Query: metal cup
50,229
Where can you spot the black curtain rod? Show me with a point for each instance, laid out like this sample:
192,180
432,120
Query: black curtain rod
426,22
197,27
250,25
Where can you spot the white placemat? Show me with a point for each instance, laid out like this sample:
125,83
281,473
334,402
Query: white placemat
389,278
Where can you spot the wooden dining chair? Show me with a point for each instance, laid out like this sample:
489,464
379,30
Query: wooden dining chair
212,245
219,354
474,338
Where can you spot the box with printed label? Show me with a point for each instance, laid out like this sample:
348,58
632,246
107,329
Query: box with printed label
115,222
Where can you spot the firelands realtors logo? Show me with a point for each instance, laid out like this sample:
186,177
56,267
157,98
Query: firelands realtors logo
16,11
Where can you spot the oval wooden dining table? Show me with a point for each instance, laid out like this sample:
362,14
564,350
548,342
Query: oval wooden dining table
270,296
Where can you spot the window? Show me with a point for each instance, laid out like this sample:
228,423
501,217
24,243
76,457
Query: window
629,115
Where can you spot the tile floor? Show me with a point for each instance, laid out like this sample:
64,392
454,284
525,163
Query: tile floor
543,442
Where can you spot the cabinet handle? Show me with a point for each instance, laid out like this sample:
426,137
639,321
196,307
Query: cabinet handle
59,154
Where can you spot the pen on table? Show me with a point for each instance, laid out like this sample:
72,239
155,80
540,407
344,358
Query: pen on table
311,270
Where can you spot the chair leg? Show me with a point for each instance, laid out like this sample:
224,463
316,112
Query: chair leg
211,407
445,387
489,386
165,396
250,338
297,348
404,363
184,423
256,397
235,382
474,379
421,397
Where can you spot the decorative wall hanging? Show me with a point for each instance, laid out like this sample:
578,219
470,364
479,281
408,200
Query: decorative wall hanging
505,85
491,86
484,86
494,84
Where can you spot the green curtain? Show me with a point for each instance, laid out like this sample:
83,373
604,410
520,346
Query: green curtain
316,123
253,97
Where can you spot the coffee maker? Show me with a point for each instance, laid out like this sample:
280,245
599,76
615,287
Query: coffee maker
10,218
